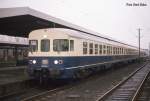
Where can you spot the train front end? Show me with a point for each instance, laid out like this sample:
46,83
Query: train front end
45,67
47,56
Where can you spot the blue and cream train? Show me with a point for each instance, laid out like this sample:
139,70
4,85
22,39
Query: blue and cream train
64,53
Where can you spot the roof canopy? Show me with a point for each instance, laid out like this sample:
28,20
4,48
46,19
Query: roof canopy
20,21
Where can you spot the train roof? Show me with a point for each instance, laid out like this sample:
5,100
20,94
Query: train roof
5,39
95,37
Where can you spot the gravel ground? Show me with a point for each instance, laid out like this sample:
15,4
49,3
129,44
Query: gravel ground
93,88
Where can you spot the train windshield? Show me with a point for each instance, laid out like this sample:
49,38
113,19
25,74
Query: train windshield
45,45
33,45
61,45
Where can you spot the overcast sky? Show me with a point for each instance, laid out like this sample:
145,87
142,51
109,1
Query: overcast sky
113,18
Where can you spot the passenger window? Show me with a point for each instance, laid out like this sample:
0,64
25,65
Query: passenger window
110,49
71,45
107,49
100,49
85,47
91,48
61,45
126,51
33,44
104,49
114,50
117,51
122,50
96,48
45,45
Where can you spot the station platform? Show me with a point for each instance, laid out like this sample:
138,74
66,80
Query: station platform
13,74
12,68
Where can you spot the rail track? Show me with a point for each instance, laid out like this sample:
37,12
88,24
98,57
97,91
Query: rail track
128,89
26,89
143,93
63,91
14,88
38,94
46,94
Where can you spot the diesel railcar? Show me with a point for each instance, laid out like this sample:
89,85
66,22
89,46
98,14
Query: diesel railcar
61,53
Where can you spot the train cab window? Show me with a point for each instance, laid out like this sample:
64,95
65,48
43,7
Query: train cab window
100,49
96,48
45,45
91,48
85,47
61,45
71,45
33,45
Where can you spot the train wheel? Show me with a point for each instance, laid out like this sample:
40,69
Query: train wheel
78,75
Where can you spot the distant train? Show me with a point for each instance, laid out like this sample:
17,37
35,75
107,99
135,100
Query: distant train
61,53
13,51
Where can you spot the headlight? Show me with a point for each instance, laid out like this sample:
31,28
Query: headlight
60,61
34,61
56,62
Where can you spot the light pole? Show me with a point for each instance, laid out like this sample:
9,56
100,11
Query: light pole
149,49
139,39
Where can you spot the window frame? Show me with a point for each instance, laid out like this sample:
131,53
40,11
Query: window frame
91,48
71,48
36,49
45,44
68,48
85,48
96,48
100,49
104,49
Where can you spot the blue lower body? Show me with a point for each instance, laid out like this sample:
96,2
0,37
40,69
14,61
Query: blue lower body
70,65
